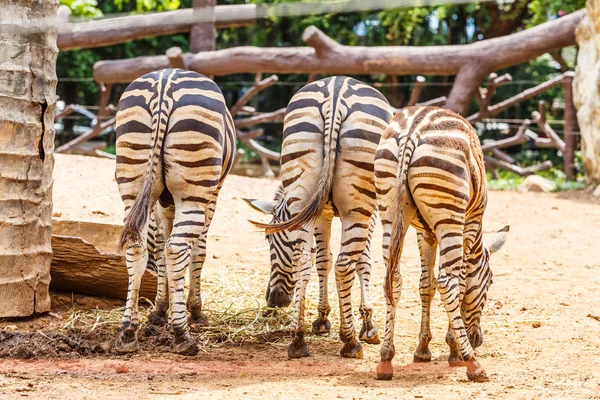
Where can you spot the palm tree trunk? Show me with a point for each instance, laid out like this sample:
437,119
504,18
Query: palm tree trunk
28,51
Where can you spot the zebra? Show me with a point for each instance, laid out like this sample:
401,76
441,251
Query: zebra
430,173
175,145
331,130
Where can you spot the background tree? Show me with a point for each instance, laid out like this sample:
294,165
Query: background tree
28,53
420,26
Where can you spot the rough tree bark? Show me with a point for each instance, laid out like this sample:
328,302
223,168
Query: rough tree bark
28,51
586,93
471,62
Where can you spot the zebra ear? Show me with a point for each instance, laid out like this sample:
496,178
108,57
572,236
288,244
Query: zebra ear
498,240
263,206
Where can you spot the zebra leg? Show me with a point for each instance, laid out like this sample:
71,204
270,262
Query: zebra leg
355,232
368,332
385,370
427,249
136,259
323,260
451,262
161,304
454,359
178,253
302,266
197,318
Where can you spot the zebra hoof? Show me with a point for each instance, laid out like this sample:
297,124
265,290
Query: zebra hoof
369,334
184,344
126,343
475,371
157,319
298,350
352,350
422,355
321,326
385,371
196,324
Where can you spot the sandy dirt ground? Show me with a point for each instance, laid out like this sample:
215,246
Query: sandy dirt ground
541,325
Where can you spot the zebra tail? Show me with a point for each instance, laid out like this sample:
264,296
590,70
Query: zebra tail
398,223
140,211
314,208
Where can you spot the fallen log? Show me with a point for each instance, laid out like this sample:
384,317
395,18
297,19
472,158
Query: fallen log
109,31
470,63
85,260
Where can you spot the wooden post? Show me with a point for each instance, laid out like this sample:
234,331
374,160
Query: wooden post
571,128
202,34
176,59
416,92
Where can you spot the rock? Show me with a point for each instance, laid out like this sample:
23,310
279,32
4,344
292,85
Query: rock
586,93
536,183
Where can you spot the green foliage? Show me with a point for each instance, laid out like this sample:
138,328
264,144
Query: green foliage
147,5
509,181
543,10
83,8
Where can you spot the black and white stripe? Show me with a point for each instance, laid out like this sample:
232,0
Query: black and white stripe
331,131
175,145
430,173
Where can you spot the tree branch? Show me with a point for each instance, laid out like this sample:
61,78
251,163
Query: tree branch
275,116
495,163
259,85
324,57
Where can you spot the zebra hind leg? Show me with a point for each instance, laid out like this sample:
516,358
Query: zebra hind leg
368,333
427,249
302,267
322,325
136,259
178,254
197,318
454,359
158,226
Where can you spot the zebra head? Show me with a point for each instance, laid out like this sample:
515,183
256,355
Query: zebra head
478,282
281,279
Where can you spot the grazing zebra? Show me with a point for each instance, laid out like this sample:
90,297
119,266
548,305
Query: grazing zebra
429,173
331,131
175,145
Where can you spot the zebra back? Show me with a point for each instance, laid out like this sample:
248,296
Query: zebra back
322,108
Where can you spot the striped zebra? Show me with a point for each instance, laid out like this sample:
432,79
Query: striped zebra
429,173
331,131
175,145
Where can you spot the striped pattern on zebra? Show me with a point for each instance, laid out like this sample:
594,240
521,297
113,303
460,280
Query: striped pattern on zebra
331,131
175,145
429,173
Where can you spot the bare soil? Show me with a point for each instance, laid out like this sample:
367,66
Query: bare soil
541,326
